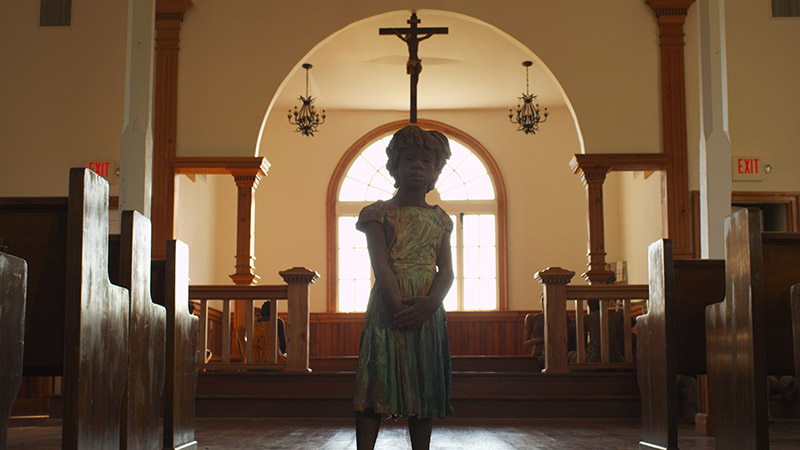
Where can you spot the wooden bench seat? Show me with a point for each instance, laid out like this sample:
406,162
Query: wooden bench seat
750,334
671,336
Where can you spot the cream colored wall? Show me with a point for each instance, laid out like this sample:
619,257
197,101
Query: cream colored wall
639,220
199,206
61,94
763,92
635,220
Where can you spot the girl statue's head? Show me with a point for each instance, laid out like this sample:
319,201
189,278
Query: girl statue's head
413,135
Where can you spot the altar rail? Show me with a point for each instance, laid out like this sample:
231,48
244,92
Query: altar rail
296,291
613,299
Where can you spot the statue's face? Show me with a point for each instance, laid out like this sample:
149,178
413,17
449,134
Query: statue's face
416,167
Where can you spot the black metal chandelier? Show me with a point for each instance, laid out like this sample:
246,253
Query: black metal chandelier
306,118
527,115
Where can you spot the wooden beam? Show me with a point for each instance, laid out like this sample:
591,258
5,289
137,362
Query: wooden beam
671,15
169,17
592,168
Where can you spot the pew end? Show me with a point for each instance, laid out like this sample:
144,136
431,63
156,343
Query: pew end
671,336
749,334
13,284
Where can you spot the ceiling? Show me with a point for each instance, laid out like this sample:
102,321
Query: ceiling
474,66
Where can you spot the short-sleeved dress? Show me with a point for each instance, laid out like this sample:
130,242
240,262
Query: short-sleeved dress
405,372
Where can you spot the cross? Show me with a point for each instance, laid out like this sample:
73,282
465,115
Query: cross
411,36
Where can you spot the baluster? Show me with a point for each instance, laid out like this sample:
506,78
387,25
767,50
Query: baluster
580,335
627,329
204,331
248,337
272,331
605,343
226,331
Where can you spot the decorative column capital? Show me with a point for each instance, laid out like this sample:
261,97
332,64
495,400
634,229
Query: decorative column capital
172,9
554,275
299,275
673,8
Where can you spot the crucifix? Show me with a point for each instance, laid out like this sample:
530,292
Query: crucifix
412,37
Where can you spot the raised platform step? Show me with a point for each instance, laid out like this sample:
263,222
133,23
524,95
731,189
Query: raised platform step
478,391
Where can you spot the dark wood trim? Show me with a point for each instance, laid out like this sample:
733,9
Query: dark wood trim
619,162
790,199
210,165
483,154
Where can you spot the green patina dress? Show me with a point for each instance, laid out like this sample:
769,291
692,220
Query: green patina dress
405,372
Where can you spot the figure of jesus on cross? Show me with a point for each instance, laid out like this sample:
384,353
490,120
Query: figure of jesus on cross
412,37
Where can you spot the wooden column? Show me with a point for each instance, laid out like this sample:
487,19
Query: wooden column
592,179
299,280
246,182
555,280
169,16
592,168
671,17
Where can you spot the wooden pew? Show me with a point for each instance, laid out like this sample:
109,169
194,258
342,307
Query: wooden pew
671,336
170,287
796,328
146,337
13,274
749,334
95,322
76,320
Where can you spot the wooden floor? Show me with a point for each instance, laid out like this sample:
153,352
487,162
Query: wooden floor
472,434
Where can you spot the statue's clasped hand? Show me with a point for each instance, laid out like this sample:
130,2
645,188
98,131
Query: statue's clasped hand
418,310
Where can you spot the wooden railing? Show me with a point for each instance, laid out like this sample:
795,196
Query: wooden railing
614,300
296,291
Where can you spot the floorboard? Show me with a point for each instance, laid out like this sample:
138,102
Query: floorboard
450,434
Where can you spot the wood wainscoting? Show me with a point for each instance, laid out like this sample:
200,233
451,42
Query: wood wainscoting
495,333
472,333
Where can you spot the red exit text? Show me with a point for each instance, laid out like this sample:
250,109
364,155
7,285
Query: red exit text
748,165
100,167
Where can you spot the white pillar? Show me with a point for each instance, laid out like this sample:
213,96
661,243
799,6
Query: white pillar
136,144
715,144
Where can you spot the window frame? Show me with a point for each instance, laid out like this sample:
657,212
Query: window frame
468,141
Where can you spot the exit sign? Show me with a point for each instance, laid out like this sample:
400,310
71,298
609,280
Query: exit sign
747,168
106,169
100,167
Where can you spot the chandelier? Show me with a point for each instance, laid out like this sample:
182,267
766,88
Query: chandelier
306,118
527,115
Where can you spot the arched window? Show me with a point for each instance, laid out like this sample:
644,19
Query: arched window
470,189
